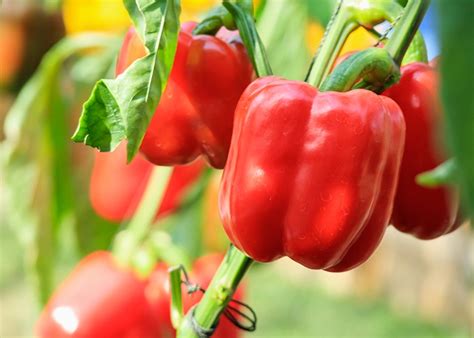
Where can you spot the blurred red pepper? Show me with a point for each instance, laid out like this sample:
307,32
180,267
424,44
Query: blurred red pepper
311,175
424,212
99,299
117,188
195,113
158,293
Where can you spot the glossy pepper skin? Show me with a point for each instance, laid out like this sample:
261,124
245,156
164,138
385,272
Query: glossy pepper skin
311,175
423,212
116,188
196,111
99,299
158,293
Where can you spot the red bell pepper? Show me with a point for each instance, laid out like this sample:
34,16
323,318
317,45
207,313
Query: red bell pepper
99,299
311,175
195,113
117,188
158,292
424,212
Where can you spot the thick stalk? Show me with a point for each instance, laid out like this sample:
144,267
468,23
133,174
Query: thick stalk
373,66
219,293
406,29
376,69
349,15
339,28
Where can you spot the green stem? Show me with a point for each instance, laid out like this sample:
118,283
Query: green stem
219,293
348,16
176,296
129,239
253,44
220,17
377,69
444,174
374,67
406,29
339,28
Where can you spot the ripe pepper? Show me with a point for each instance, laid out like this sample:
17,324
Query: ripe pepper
99,299
195,113
158,292
117,188
423,212
311,175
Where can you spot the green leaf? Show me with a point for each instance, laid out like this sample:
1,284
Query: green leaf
282,27
457,50
36,160
122,108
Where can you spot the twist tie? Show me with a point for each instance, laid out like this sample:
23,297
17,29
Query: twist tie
244,319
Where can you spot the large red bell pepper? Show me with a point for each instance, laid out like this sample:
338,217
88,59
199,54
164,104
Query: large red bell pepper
311,175
158,292
99,299
117,188
424,212
195,113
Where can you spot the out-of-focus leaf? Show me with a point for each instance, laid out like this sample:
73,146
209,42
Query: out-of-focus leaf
122,108
457,50
36,159
185,225
282,26
321,10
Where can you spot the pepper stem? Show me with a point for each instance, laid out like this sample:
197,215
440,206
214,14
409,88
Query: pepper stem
339,28
373,67
253,44
219,293
406,29
348,16
376,69
128,240
220,17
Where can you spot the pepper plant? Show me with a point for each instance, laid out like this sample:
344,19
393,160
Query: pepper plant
314,170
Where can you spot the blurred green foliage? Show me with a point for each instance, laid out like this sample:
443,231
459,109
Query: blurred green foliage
42,184
457,50
291,307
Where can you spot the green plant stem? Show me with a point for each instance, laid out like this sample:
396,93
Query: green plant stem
348,16
339,28
374,67
129,239
378,69
406,29
444,174
219,293
253,44
176,296
220,17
